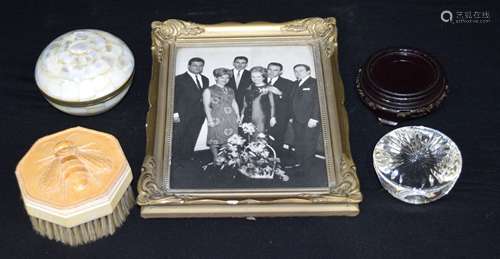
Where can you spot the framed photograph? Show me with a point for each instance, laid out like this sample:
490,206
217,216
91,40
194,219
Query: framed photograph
247,120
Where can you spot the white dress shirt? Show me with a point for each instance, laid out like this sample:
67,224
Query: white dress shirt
272,81
194,76
237,77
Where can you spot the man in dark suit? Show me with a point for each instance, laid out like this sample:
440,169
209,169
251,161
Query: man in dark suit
240,80
305,115
282,102
188,109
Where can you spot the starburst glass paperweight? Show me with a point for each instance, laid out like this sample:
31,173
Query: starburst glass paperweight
417,164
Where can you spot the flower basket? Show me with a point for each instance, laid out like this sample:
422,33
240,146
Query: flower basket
251,155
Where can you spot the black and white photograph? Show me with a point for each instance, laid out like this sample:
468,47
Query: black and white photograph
246,117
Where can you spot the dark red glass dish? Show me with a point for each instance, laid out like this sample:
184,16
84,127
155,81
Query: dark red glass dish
401,83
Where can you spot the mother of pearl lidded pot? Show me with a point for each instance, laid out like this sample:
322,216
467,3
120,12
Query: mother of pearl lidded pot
75,185
85,72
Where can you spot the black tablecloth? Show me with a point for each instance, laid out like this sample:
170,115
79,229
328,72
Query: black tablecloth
463,224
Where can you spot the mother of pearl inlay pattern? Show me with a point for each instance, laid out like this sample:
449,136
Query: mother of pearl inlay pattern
83,65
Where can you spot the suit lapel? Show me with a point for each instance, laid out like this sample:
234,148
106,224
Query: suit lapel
246,74
298,89
192,82
232,82
245,78
306,83
280,83
204,82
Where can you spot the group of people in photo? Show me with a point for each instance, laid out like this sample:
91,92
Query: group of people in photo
260,95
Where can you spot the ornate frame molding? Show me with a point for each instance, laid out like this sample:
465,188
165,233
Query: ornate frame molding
343,197
323,29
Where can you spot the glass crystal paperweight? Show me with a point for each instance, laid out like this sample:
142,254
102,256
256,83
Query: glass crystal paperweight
417,164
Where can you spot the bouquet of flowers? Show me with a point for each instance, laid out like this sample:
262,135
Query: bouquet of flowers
251,156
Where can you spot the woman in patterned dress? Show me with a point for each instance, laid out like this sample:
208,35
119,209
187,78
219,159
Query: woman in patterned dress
221,110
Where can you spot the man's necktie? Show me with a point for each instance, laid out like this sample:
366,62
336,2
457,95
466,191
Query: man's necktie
238,78
197,82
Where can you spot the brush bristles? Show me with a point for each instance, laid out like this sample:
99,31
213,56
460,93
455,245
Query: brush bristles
90,231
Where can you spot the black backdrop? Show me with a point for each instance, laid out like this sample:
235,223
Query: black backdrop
463,224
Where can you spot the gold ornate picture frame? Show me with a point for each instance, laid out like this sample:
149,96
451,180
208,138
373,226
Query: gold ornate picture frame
341,194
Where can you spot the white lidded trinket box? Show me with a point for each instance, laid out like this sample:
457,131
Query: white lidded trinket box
85,72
